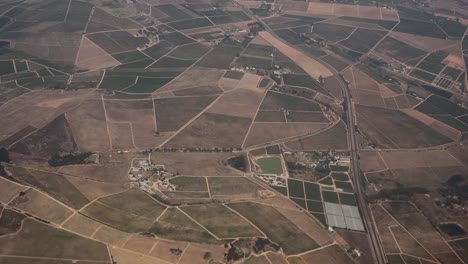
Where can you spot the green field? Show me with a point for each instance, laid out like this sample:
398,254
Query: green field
270,165
312,191
295,188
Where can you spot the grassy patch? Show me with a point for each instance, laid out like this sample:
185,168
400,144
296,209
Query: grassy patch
270,165
339,168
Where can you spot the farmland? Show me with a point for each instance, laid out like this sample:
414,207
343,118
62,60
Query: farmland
233,132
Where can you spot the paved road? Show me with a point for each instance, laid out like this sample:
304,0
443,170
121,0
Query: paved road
357,176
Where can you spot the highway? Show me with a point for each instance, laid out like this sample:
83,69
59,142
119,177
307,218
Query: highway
357,177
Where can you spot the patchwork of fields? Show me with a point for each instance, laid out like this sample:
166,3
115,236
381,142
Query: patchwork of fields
217,131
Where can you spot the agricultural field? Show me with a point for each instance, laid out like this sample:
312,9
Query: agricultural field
227,132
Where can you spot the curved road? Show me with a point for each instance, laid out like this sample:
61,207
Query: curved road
352,139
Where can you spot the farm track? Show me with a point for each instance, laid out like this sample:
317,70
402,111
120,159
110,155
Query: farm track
357,176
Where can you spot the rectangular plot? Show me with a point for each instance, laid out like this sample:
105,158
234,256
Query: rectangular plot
331,197
314,206
312,191
295,188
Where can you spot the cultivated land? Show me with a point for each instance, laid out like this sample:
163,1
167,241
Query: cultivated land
233,132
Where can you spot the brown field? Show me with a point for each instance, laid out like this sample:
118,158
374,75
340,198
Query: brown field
38,240
370,12
414,159
115,174
55,137
228,84
346,10
162,252
95,189
195,76
435,124
262,133
9,190
276,258
194,254
370,161
42,206
111,236
358,240
92,57
331,255
121,135
211,89
140,243
309,65
123,256
81,225
408,244
194,163
390,103
211,131
402,101
332,138
368,98
383,222
427,44
460,153
385,91
320,9
389,14
36,109
448,258
173,113
141,114
419,227
88,124
242,102
308,225
394,129
332,85
349,23
385,180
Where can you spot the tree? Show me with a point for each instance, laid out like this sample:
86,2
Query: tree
4,157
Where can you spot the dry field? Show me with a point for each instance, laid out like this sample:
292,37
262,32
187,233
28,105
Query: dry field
370,161
115,174
394,129
195,76
81,225
427,44
263,133
332,254
333,138
196,164
92,57
9,190
309,65
36,108
41,205
88,123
